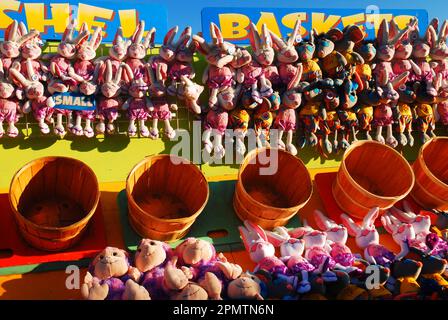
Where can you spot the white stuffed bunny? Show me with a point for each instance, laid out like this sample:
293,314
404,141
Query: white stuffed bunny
256,242
367,238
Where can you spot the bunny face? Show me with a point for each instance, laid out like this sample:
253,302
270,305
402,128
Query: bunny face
67,50
6,90
138,89
422,224
111,262
315,238
286,51
292,248
262,45
119,46
292,99
403,49
88,88
386,52
226,98
421,46
367,236
32,50
86,53
110,89
150,254
136,51
10,49
34,90
404,232
337,234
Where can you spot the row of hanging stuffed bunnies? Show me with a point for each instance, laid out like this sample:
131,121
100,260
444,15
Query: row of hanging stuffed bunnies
313,264
327,86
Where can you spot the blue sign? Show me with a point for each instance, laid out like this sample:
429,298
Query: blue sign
74,101
51,17
234,22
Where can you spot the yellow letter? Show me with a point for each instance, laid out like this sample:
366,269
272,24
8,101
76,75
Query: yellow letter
358,19
35,16
376,19
233,25
5,7
290,20
402,21
268,18
323,25
128,21
89,14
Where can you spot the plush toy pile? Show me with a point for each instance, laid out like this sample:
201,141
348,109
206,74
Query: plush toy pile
328,87
312,264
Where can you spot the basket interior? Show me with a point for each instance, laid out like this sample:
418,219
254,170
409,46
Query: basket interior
167,190
287,186
379,170
55,192
434,156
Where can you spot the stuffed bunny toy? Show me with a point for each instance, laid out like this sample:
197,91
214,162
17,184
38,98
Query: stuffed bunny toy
256,242
61,64
189,92
367,238
11,47
385,44
439,49
352,35
291,251
424,113
41,105
331,61
337,236
138,105
30,49
286,117
263,118
287,54
110,101
216,121
251,75
383,113
219,73
108,278
161,110
136,52
9,106
420,53
116,56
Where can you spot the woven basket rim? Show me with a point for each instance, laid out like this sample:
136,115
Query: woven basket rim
422,161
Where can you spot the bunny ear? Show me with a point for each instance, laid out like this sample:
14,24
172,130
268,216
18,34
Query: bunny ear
278,43
443,32
400,80
138,33
68,33
265,37
245,236
201,44
22,29
387,223
293,38
84,28
97,37
256,229
30,69
168,40
11,31
108,73
96,72
335,34
394,29
18,77
184,37
33,34
118,75
82,38
299,232
351,226
407,217
148,42
118,36
276,239
283,231
254,37
128,71
370,217
2,71
383,33
218,34
294,83
435,24
322,221
313,36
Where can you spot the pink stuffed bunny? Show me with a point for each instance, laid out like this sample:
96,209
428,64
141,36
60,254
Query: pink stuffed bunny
383,113
286,53
420,53
256,242
161,108
109,278
337,238
291,251
41,105
367,238
286,118
422,227
219,74
138,105
61,64
137,52
439,49
117,54
110,100
189,92
9,106
30,49
216,121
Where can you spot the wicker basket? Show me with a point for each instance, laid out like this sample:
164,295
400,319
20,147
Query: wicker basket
53,200
371,175
271,200
165,198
